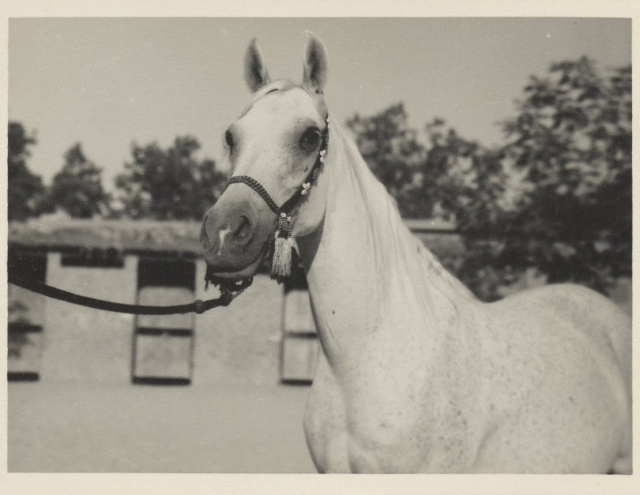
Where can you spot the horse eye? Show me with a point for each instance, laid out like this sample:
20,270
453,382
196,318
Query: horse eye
310,139
228,137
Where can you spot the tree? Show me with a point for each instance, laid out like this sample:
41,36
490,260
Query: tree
467,185
25,190
169,184
463,181
556,198
77,188
571,142
441,177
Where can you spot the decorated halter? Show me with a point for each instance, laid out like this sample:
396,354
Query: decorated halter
283,244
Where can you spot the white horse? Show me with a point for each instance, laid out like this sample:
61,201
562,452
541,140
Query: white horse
415,373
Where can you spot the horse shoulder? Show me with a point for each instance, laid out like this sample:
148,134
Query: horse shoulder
413,407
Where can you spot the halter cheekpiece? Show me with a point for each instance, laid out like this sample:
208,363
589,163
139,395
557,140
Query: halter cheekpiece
283,245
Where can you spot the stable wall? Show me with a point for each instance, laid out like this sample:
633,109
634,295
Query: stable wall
82,344
25,323
263,337
240,342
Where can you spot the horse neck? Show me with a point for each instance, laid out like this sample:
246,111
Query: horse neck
366,272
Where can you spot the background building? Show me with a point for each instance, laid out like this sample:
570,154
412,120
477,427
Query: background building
265,336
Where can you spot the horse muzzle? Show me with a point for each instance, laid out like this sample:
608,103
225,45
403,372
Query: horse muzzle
234,234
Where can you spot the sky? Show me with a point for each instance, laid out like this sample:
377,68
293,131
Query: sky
110,82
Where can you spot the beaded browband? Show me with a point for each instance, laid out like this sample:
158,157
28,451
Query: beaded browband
281,262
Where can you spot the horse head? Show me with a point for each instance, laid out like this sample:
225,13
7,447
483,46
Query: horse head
273,148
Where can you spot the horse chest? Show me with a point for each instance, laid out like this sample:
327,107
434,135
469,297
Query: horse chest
385,430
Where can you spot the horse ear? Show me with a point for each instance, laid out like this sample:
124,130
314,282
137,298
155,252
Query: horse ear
315,64
255,71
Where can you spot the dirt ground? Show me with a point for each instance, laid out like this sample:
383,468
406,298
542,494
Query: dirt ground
66,427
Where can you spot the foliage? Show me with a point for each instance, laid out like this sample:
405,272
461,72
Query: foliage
469,185
465,178
571,142
77,188
168,184
555,198
25,190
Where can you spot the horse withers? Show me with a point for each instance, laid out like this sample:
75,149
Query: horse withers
415,374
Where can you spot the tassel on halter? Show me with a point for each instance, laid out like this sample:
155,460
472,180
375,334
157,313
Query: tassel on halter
282,256
282,252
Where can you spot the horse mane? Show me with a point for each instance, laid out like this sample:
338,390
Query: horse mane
402,260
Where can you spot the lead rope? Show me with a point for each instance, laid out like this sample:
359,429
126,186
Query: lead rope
282,241
198,306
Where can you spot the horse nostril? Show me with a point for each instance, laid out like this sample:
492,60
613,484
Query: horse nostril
228,230
241,232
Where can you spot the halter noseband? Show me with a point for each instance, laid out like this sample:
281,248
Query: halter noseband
281,263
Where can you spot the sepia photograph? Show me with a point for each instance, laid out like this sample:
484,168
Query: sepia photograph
320,245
